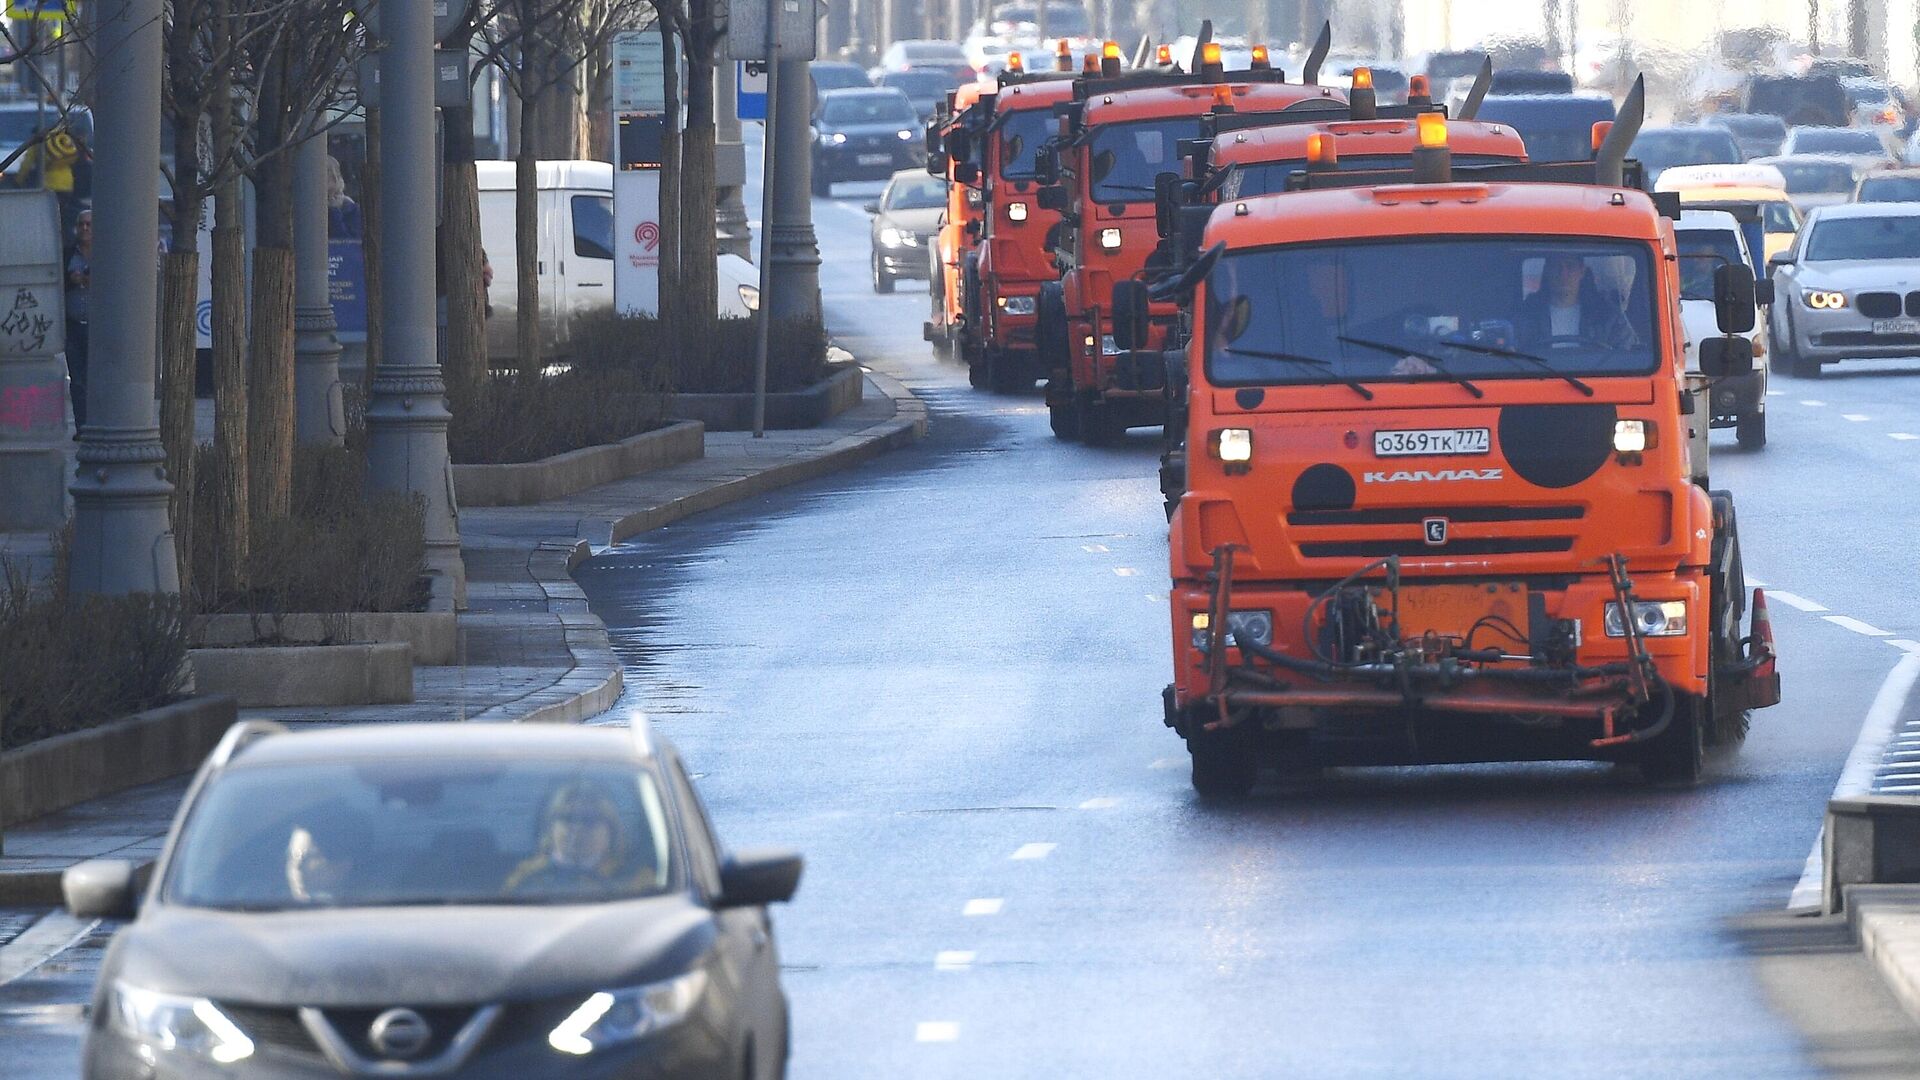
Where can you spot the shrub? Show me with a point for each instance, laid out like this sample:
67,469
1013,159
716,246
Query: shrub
796,352
72,666
508,419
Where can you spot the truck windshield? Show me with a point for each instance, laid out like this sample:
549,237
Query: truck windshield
1020,137
1487,308
1865,238
1126,157
1270,177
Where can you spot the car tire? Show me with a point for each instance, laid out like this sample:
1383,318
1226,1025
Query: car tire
1806,367
882,281
1750,430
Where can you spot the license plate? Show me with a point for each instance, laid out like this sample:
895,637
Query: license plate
1432,441
1454,609
1896,326
876,159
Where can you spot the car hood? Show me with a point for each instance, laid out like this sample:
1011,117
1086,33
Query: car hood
419,955
1850,275
919,222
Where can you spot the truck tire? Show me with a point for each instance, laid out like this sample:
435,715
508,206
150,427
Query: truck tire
1064,420
1675,757
1224,766
1727,597
1173,478
1751,430
977,376
1098,423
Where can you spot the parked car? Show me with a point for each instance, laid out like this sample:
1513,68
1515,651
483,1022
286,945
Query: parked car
864,135
1555,127
1756,134
1661,148
944,56
906,218
1708,240
1814,179
1849,289
927,88
431,899
1860,145
1888,185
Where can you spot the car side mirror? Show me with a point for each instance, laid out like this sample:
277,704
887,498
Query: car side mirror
1733,298
101,889
966,172
1724,356
1052,198
756,878
871,208
1784,258
1131,314
1763,292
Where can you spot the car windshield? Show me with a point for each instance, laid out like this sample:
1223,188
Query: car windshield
839,77
1662,150
1836,141
1816,177
1488,308
1020,137
1270,177
371,834
854,109
924,51
1063,20
1864,238
1126,157
922,83
917,193
1702,251
1890,189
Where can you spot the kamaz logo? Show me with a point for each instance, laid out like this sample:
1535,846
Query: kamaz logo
1422,476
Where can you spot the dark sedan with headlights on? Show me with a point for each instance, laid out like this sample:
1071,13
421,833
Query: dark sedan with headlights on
906,218
1849,288
412,900
864,135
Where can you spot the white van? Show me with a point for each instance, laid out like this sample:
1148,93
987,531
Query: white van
573,249
1707,239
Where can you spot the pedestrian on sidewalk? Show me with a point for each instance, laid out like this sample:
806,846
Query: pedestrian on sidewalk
79,285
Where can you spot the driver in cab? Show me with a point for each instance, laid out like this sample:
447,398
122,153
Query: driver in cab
1568,309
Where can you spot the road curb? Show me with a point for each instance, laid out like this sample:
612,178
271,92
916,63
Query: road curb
1885,920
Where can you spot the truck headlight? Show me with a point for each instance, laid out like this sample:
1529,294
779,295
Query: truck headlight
1017,305
1634,436
1233,444
172,1023
1110,239
1254,626
616,1016
1824,299
1651,618
1017,211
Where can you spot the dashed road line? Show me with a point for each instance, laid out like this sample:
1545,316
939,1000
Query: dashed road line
1811,404
1795,600
1848,622
1093,549
986,905
1855,417
1031,852
1125,571
1901,436
1167,763
1101,803
936,1031
952,960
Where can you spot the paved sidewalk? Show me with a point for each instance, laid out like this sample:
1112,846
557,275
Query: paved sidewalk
531,651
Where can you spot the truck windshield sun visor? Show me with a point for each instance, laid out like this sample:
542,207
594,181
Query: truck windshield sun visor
1490,308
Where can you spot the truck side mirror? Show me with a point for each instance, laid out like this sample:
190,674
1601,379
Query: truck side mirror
959,144
966,172
1166,201
1733,299
1724,356
1052,198
937,165
1131,312
1046,166
1763,292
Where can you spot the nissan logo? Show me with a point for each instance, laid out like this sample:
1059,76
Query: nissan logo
400,1033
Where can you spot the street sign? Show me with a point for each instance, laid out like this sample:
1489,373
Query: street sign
638,82
795,27
752,90
40,10
452,71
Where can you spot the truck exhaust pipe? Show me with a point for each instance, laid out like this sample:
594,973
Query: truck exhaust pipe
1482,82
1310,74
1611,161
1200,43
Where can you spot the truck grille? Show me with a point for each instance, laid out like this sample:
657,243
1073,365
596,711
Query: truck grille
1416,548
1414,515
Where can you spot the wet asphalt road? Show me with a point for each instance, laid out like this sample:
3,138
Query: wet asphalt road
938,675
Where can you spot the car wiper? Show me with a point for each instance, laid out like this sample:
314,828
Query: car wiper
1296,358
1540,362
1439,364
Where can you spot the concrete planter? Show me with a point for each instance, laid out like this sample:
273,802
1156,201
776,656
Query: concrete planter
434,635
565,474
839,391
53,774
308,674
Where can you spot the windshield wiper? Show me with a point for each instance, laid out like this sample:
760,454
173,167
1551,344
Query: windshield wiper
1439,365
1538,361
1295,358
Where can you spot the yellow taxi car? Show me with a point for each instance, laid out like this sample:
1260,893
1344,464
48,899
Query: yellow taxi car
1733,187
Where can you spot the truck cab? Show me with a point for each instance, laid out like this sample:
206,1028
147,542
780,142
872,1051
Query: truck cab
1440,505
954,244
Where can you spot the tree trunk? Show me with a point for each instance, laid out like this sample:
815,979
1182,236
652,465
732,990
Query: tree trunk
699,247
179,295
270,433
230,388
526,254
668,308
466,366
370,243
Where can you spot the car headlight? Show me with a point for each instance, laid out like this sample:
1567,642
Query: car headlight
1651,618
1017,305
173,1023
905,135
1110,239
1254,626
838,138
1017,211
890,237
1824,299
750,296
612,1017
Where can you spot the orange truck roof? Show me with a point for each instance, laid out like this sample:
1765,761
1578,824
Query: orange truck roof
1041,94
1189,99
1435,209
1359,138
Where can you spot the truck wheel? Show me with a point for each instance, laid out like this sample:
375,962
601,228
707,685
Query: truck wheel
1676,756
1224,767
1751,430
977,376
1064,420
1098,424
1173,478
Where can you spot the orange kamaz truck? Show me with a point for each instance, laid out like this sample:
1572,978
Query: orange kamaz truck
955,243
1439,504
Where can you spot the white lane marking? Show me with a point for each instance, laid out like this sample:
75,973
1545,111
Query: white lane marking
1776,393
1848,622
952,960
49,936
1904,645
1795,600
936,1031
1755,582
1094,549
1030,852
1855,417
1101,803
989,905
1155,597
1167,763
1856,776
854,210
1813,404
1901,436
1125,571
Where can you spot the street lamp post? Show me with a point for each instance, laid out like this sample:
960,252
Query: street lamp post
794,265
122,540
407,413
317,413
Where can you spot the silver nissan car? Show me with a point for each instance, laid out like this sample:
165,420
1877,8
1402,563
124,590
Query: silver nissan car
413,900
1848,288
